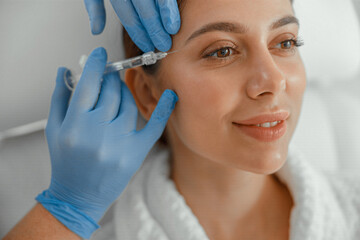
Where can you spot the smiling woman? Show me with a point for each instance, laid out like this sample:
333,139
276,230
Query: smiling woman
233,72
226,172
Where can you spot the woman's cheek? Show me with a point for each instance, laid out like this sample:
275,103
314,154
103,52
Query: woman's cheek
296,83
294,71
199,106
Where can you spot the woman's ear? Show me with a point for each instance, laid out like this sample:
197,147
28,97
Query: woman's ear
143,90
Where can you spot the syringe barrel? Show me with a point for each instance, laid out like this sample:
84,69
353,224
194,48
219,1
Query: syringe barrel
128,63
148,58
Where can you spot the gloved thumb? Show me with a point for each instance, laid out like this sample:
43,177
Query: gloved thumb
157,123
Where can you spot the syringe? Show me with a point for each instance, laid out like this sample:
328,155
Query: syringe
148,58
145,59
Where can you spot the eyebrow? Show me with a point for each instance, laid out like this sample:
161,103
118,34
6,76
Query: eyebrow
240,28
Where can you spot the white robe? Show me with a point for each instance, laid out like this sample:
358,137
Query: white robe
326,207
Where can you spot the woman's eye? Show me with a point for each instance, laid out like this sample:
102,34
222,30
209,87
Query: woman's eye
289,44
222,52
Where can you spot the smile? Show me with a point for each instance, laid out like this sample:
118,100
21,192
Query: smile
264,128
265,132
268,124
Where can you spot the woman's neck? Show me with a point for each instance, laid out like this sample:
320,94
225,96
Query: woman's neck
224,198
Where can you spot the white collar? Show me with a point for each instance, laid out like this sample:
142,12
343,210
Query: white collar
152,208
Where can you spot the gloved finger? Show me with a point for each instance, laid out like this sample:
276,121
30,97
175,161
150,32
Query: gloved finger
59,100
170,16
88,88
127,118
109,99
157,123
97,15
150,18
131,22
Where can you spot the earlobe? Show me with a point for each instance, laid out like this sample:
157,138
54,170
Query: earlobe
143,91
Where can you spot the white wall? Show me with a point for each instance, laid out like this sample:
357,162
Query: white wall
38,36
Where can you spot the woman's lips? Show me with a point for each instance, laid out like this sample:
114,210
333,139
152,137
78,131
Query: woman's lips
265,128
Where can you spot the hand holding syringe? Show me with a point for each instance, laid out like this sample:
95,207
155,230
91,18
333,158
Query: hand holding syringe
148,58
94,144
145,59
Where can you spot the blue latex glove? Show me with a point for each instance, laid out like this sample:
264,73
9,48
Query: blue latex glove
93,143
148,22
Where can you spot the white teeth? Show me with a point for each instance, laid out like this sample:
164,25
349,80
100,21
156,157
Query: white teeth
268,124
274,124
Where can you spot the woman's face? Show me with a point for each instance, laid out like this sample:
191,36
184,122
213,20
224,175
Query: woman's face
236,61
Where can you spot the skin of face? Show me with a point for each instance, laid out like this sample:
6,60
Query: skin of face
257,76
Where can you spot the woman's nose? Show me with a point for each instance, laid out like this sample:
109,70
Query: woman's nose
265,77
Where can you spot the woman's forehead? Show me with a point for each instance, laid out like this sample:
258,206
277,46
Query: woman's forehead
196,14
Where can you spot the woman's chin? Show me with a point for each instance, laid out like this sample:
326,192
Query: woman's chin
266,168
263,163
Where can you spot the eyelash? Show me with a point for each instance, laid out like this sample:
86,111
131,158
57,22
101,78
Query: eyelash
296,42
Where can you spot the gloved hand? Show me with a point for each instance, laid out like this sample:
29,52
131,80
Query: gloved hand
93,143
148,22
